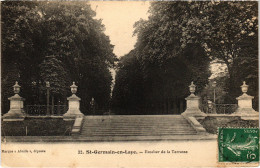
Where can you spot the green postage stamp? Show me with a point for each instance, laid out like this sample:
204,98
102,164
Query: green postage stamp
238,144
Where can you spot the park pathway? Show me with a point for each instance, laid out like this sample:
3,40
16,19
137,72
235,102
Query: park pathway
136,125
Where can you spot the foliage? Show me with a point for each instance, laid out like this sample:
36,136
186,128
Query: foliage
177,42
166,68
52,70
211,124
234,27
128,90
228,33
59,42
220,90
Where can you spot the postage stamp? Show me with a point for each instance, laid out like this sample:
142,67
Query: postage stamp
238,144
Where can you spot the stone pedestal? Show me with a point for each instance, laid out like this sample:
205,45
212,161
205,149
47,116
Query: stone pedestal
16,112
193,105
74,111
245,109
193,108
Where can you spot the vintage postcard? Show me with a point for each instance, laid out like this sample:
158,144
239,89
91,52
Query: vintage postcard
129,84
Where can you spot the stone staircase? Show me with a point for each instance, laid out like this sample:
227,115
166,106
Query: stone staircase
136,125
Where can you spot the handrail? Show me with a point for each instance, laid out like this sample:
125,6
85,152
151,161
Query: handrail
220,108
41,110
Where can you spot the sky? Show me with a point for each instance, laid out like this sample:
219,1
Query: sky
119,18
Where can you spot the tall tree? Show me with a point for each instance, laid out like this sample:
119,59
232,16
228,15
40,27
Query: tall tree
128,96
166,67
228,33
59,42
226,30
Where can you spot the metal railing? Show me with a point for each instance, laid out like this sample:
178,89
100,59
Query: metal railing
225,108
219,108
41,110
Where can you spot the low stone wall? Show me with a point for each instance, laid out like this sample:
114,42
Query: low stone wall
77,126
244,117
211,123
195,124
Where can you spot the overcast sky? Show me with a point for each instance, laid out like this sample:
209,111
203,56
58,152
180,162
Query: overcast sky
119,18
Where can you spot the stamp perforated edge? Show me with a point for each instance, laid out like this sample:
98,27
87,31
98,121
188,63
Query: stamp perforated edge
234,164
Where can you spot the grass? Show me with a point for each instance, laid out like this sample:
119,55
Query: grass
37,127
211,124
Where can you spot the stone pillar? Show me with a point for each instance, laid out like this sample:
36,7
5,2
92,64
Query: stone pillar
245,109
192,109
74,104
16,112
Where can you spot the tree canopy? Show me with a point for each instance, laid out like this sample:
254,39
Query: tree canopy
178,41
166,69
59,42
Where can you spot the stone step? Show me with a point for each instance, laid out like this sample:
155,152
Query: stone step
141,120
138,133
139,130
135,124
134,116
152,125
136,120
132,122
143,130
133,119
141,134
135,127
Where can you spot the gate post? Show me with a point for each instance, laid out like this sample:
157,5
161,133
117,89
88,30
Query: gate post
193,105
245,109
16,112
74,104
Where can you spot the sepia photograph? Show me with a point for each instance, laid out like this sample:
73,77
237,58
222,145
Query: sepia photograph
135,83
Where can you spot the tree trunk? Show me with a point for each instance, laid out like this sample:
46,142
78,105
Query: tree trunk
175,107
169,106
58,108
65,104
164,107
181,106
52,105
